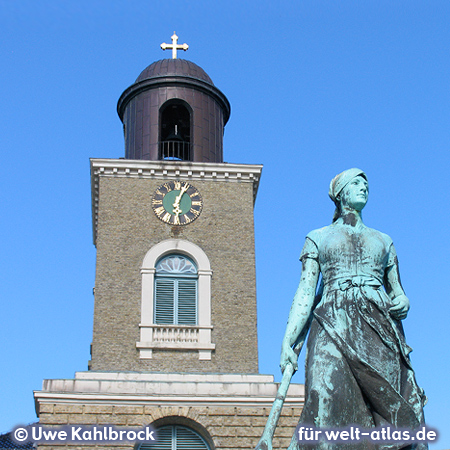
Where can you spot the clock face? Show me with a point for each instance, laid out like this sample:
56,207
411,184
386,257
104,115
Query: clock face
177,203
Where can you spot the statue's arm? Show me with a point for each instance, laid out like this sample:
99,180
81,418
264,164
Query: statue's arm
393,286
300,311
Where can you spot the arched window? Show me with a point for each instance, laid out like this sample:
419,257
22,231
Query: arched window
176,437
176,300
175,131
175,291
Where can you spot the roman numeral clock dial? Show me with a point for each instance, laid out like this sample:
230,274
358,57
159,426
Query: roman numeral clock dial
177,203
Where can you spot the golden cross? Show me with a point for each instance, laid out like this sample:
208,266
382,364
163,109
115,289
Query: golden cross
174,46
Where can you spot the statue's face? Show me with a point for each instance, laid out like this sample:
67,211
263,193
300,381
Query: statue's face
355,194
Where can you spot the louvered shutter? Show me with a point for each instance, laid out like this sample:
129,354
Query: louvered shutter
187,302
188,439
174,437
164,439
164,301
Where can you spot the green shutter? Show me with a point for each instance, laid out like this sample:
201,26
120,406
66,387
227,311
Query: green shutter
187,302
188,439
175,301
165,438
176,284
174,437
164,301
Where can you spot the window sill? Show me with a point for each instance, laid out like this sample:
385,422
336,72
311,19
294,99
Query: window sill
175,337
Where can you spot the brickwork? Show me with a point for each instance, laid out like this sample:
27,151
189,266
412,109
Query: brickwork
128,228
228,427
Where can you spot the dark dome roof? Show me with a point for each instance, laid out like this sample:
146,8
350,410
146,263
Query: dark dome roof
174,67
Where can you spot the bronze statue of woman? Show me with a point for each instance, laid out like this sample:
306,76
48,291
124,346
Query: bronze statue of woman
358,369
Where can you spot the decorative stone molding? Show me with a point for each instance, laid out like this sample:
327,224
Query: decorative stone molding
176,337
132,388
163,170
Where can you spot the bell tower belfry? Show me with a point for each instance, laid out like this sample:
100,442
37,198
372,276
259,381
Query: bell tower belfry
174,112
173,227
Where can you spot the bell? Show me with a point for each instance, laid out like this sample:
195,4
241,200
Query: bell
174,136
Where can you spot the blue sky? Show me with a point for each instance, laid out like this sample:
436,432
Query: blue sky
316,87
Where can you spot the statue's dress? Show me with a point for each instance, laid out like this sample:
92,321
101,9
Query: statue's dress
357,367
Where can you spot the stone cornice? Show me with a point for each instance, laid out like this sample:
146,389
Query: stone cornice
161,400
167,389
163,170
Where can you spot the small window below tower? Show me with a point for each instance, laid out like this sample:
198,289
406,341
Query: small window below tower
175,131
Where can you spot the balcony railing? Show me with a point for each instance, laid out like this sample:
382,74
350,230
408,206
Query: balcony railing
174,333
175,150
175,337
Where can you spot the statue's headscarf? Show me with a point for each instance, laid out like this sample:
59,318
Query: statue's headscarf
338,183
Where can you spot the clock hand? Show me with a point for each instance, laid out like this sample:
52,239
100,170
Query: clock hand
183,190
176,205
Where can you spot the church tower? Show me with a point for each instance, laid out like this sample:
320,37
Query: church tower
175,330
173,226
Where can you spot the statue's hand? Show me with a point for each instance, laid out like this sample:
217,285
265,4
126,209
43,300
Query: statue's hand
400,307
288,356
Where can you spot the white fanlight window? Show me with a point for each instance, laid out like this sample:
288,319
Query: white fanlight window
176,300
176,437
175,291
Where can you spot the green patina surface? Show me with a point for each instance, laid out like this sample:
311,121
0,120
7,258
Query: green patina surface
358,369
